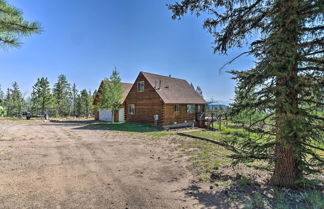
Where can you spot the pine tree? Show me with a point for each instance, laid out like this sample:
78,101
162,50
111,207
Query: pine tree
13,26
7,102
2,109
111,93
62,96
74,98
89,104
14,101
41,97
286,82
94,108
199,91
84,96
78,106
1,97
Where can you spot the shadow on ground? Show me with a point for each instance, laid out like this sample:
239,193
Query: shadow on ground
238,191
127,127
68,122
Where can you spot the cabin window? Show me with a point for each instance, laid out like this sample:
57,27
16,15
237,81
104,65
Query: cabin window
199,108
131,109
140,86
190,108
176,108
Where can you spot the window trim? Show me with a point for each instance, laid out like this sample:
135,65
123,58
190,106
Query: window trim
193,108
199,108
140,85
129,109
176,108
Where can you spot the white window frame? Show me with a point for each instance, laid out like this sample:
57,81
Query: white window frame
192,109
131,109
199,108
140,86
176,108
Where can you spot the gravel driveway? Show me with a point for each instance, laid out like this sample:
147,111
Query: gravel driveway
66,165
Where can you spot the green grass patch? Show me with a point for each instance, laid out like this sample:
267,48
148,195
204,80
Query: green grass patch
245,181
129,128
205,156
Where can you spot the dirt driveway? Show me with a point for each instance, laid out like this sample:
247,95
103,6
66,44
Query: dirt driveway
64,165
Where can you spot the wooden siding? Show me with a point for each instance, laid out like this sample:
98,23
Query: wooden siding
170,117
147,103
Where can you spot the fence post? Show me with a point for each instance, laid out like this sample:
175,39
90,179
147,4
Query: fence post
212,121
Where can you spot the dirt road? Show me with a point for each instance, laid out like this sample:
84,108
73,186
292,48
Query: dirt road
67,165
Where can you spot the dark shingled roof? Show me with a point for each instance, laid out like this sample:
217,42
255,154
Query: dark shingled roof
174,90
126,87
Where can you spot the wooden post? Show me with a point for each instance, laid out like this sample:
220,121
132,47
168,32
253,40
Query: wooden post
212,121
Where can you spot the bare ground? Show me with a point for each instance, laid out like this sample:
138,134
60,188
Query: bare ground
63,165
71,164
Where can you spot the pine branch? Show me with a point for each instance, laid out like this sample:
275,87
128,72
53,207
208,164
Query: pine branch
312,101
232,60
314,155
314,60
320,27
12,42
312,146
310,68
21,27
261,120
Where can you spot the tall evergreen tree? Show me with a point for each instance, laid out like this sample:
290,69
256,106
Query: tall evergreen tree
8,102
89,103
1,97
78,106
84,103
62,96
14,101
41,97
74,99
111,93
94,108
13,26
2,109
286,82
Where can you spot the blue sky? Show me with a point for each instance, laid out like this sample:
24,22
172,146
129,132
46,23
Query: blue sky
86,39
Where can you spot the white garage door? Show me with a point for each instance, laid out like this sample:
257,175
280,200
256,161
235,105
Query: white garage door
121,115
105,115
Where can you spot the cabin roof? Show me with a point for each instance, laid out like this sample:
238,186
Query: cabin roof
125,89
174,90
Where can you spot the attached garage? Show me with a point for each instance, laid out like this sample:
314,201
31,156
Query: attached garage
106,115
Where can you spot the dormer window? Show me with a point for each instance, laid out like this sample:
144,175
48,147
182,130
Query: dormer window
140,86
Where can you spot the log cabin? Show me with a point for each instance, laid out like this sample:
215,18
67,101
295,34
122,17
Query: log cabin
163,100
105,114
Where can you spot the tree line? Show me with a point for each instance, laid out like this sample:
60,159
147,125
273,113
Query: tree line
62,100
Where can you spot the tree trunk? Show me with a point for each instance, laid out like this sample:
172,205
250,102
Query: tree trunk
286,171
285,51
287,159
